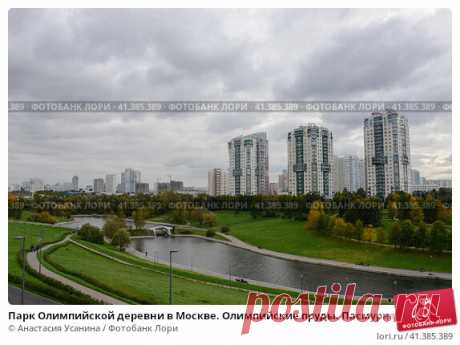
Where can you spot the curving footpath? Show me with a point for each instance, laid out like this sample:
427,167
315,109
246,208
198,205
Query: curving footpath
32,260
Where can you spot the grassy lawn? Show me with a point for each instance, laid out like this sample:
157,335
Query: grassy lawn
288,236
114,252
31,233
141,283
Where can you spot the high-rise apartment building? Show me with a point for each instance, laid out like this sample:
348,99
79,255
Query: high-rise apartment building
75,183
142,187
310,161
349,173
129,178
248,168
110,184
217,182
414,177
283,181
98,185
387,153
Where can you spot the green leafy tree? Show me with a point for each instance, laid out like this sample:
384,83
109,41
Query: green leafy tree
381,235
91,233
209,219
395,234
139,216
407,234
439,237
420,238
121,238
111,226
359,230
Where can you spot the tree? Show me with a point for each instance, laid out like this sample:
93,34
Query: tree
178,216
196,215
91,233
359,230
395,234
121,238
313,217
323,224
368,234
439,237
407,234
209,219
380,235
340,227
139,218
111,226
420,238
349,230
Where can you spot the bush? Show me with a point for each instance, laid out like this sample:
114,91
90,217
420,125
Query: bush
91,234
225,229
210,233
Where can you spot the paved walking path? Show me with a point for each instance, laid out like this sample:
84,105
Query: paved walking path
30,298
32,260
375,269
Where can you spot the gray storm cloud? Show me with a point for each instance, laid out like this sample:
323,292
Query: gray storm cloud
216,55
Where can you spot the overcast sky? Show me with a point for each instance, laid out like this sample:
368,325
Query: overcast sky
216,55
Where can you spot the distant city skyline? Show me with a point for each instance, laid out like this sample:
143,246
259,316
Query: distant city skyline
248,55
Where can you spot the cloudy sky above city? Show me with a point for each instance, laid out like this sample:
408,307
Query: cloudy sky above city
241,55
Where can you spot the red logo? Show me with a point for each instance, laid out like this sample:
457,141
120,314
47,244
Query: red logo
425,309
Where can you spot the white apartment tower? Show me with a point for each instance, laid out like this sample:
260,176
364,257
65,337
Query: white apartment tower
386,153
310,161
129,178
110,184
248,168
217,182
349,173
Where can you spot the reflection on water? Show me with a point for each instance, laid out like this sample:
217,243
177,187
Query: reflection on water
207,256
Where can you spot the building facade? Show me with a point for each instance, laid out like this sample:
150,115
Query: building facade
98,185
283,181
110,184
142,187
414,177
75,183
129,178
387,153
248,165
217,182
349,173
310,161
